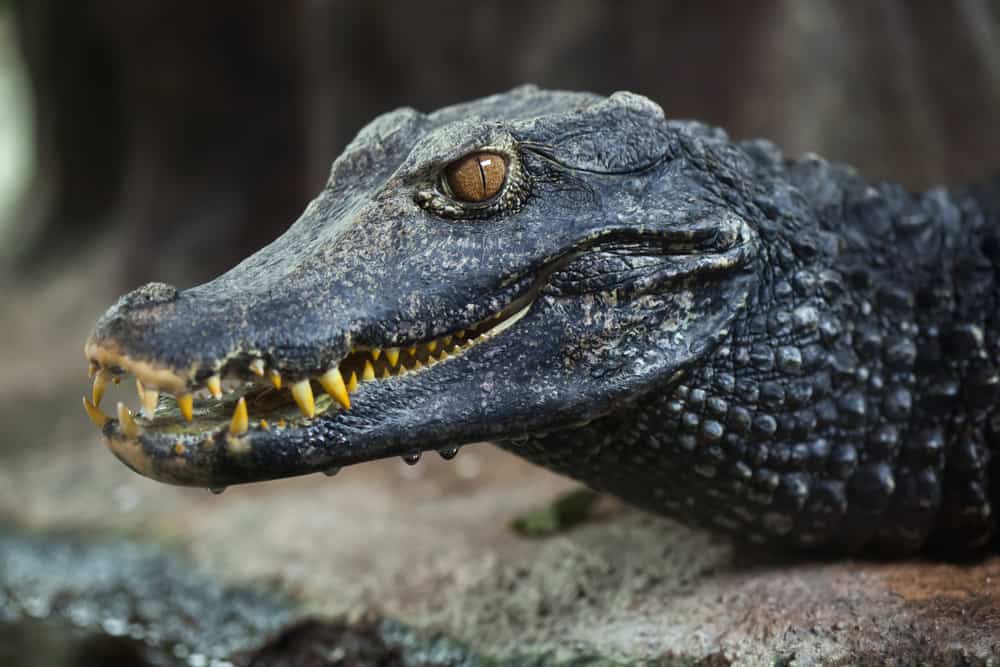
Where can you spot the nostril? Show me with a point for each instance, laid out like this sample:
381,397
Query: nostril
150,294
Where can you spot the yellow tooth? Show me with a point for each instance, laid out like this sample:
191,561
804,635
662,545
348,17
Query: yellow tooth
257,367
392,354
150,397
214,385
446,341
276,379
417,365
128,425
95,414
282,423
386,373
369,372
241,421
303,394
412,351
91,369
460,334
376,353
264,425
100,384
444,355
352,384
431,346
185,403
333,383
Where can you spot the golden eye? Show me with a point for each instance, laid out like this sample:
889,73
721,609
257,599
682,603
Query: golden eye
476,177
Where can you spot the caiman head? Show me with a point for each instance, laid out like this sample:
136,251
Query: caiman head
519,264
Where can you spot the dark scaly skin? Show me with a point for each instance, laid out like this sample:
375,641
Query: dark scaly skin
776,349
853,405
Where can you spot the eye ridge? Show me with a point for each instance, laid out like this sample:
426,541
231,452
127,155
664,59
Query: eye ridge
497,190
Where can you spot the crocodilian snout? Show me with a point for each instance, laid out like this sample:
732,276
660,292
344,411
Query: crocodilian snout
227,395
211,371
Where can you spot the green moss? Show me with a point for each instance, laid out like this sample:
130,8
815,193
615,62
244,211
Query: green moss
566,512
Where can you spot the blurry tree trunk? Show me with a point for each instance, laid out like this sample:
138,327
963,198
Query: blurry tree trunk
176,125
198,131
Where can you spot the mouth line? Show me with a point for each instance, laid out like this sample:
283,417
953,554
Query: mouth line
249,397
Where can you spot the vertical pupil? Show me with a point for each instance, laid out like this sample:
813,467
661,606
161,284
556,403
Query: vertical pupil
476,177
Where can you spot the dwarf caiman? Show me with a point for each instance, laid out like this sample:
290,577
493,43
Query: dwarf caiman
772,347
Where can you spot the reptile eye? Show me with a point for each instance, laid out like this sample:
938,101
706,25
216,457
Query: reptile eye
476,177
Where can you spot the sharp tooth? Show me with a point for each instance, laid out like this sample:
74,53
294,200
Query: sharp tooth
392,354
128,425
443,355
333,383
150,398
275,379
303,394
446,341
100,384
369,372
92,369
185,403
412,351
214,386
386,373
376,353
241,421
417,365
257,367
264,425
460,334
431,346
282,423
95,414
352,384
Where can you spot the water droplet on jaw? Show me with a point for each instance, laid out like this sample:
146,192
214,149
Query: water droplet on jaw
330,472
449,453
412,458
217,489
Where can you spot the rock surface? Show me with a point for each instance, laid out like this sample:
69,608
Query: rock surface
416,565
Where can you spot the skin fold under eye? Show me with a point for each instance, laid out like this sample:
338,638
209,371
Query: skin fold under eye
476,177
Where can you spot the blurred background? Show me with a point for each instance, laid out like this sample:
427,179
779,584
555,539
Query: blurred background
193,133
145,140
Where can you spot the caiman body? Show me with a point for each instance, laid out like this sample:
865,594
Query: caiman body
776,348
